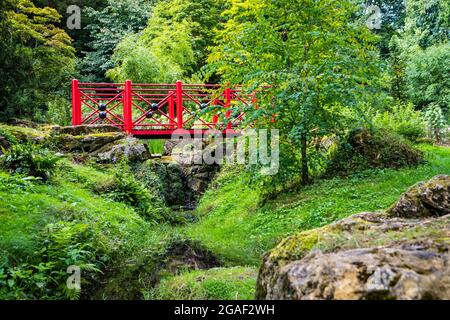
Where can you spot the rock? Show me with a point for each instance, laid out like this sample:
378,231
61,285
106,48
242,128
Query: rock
401,253
23,123
4,144
129,148
198,177
85,129
372,273
86,143
425,199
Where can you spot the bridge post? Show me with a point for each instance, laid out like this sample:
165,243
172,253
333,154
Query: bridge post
215,117
172,109
127,107
76,103
179,94
228,105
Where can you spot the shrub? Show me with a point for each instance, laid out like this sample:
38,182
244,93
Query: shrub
436,121
30,159
403,120
368,149
123,187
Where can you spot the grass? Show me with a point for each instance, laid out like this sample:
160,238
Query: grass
234,227
236,283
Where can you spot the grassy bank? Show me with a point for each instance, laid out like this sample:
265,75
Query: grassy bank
234,227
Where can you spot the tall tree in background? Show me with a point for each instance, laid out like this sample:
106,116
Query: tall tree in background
81,37
174,45
316,59
421,54
36,58
107,28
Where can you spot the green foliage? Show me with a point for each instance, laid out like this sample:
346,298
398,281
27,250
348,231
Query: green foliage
426,22
173,46
44,228
36,58
235,283
428,74
311,53
234,226
436,121
367,149
30,159
403,120
108,26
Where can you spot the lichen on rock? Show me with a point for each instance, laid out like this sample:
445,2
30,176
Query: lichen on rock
401,253
129,148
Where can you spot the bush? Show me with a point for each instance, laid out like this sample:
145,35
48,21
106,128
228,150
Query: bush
30,159
123,187
370,149
436,121
402,119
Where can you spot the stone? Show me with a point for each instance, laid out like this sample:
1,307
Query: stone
86,143
129,148
425,199
4,144
400,253
85,129
369,273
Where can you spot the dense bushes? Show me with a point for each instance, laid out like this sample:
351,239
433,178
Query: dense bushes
367,149
30,159
402,119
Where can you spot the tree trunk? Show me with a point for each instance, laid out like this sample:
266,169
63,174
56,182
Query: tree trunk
304,160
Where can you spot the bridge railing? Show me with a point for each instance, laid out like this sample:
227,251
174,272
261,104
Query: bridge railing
152,109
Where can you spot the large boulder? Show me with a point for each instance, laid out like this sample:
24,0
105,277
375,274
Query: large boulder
403,272
425,199
401,253
128,148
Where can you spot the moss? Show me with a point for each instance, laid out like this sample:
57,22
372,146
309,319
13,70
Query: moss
297,246
213,284
361,234
15,133
367,149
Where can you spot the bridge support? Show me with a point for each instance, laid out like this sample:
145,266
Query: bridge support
76,103
179,94
127,108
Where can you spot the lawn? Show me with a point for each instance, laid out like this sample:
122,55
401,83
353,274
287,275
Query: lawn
235,228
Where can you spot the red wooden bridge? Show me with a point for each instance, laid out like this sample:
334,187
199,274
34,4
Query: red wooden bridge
157,110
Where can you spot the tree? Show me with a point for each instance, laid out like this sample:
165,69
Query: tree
428,74
81,38
107,28
316,59
164,58
174,45
36,59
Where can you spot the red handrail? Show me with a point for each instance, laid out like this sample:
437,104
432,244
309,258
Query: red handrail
156,110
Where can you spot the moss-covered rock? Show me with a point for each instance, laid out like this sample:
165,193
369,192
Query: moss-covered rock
84,129
85,143
425,199
4,144
129,148
367,149
329,262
